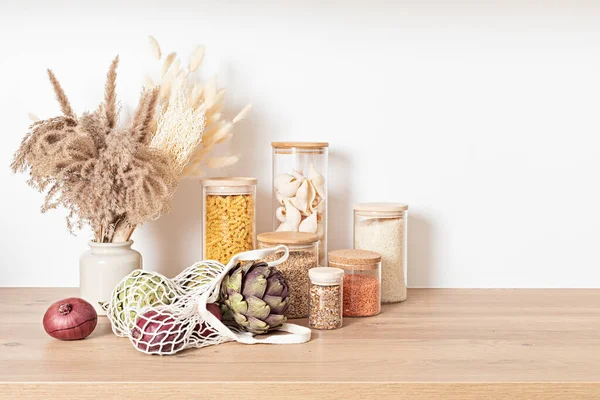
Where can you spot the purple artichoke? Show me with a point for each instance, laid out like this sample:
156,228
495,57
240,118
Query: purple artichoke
256,295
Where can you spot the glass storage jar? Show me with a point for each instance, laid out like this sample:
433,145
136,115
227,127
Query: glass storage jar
326,298
228,217
303,248
382,228
362,280
300,189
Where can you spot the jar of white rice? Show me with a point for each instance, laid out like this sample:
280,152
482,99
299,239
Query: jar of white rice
382,228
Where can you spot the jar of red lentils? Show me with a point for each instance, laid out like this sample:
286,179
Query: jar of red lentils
362,281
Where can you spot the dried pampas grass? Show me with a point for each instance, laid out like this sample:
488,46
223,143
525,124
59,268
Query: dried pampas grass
106,177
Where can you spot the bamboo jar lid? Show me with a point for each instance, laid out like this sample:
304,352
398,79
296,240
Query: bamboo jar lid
354,259
287,237
299,145
380,207
230,181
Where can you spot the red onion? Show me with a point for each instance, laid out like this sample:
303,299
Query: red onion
205,330
70,319
157,332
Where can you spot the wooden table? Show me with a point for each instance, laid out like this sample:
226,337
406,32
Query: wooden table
441,343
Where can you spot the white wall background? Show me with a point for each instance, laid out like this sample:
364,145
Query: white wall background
482,116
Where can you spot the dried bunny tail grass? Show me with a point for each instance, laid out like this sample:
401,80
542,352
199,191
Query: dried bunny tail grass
110,94
148,82
196,96
210,92
167,64
154,47
216,134
224,138
65,106
221,162
32,117
179,130
167,83
242,114
196,58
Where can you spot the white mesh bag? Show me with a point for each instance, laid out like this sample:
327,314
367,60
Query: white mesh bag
164,316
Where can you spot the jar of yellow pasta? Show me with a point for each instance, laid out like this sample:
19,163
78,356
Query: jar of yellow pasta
229,217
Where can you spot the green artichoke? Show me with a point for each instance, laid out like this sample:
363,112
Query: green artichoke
139,290
256,295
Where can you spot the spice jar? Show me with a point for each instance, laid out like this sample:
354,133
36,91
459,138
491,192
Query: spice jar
362,281
381,227
300,190
228,219
303,252
326,298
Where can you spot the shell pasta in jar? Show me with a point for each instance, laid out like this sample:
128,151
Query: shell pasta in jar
229,217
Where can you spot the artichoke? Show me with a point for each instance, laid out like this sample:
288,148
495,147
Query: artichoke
139,290
256,295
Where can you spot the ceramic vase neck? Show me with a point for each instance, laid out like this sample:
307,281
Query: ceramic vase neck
110,248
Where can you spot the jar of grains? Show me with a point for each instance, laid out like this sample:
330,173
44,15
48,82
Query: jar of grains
381,227
228,222
300,190
303,256
362,280
326,298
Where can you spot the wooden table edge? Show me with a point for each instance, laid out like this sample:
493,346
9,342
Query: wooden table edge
302,390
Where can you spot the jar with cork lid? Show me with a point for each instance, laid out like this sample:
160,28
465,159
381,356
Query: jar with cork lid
362,281
382,228
303,255
300,184
228,217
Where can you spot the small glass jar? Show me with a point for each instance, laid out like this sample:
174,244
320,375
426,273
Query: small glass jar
326,298
300,189
382,228
362,281
228,217
303,248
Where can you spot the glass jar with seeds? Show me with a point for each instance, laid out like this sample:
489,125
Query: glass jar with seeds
362,280
228,217
304,250
300,189
326,298
381,227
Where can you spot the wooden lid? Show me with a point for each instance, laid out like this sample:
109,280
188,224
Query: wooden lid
228,181
299,145
354,258
287,237
382,207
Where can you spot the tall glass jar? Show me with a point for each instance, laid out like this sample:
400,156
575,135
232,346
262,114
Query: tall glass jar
382,228
303,248
228,217
300,190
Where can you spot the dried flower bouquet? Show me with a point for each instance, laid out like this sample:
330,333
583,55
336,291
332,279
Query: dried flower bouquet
106,177
114,179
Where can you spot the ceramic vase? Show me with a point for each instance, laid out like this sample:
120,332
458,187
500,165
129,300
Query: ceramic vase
102,267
